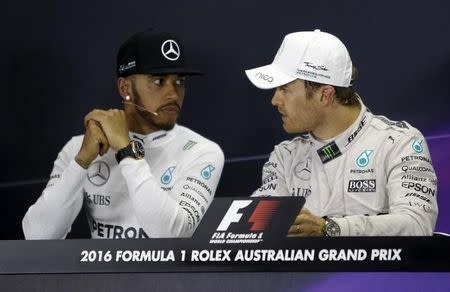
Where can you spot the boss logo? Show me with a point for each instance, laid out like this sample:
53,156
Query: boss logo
362,186
264,77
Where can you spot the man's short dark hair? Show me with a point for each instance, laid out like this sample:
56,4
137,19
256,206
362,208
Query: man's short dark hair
344,95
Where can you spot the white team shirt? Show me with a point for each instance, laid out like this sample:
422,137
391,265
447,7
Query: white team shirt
165,194
376,178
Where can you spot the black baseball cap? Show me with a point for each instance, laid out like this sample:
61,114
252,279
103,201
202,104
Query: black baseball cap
152,52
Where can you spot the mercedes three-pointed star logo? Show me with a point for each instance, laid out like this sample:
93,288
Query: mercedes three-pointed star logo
303,169
98,173
170,50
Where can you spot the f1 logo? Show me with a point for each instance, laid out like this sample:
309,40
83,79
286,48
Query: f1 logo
260,216
232,214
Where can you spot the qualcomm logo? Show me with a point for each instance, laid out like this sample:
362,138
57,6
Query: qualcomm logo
206,172
166,177
363,158
417,146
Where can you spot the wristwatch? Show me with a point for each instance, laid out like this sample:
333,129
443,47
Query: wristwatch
331,228
134,150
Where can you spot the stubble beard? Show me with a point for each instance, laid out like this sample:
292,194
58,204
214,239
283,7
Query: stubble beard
150,118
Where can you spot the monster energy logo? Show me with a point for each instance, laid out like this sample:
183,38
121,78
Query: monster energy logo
329,152
189,145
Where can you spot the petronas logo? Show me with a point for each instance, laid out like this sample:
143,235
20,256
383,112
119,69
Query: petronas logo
206,172
363,159
189,145
328,151
166,177
417,146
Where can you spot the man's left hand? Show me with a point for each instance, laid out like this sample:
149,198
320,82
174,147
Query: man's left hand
114,125
307,224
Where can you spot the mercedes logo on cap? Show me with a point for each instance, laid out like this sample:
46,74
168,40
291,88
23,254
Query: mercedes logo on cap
170,50
98,173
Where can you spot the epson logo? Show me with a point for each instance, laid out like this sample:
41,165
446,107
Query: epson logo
266,187
419,188
362,186
264,77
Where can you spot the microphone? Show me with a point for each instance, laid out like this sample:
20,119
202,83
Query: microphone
138,106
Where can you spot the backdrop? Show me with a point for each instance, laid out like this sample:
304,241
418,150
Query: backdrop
58,62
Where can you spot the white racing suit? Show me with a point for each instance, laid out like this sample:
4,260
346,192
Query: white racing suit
165,194
375,179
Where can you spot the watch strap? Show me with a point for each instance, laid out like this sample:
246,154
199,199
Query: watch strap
126,151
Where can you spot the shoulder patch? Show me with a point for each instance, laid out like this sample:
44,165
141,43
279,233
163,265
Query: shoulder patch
399,124
189,145
291,145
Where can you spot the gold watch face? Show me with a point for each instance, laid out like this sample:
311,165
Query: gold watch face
138,149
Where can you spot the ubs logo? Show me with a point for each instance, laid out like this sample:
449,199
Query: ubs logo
97,199
98,173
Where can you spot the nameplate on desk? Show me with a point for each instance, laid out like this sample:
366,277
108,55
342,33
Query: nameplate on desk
248,220
236,234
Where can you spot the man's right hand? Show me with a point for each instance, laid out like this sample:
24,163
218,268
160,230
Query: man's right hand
94,143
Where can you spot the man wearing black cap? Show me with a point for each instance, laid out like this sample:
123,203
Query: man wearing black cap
139,173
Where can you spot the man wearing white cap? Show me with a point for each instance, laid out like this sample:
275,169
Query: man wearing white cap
361,174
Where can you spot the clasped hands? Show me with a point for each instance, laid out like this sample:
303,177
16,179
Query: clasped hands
104,129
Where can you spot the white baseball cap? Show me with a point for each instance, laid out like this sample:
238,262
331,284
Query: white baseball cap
309,55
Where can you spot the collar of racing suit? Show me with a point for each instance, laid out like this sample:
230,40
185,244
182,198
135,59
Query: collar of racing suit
154,139
339,144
